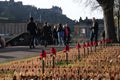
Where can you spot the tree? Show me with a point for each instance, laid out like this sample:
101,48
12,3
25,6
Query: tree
117,17
107,7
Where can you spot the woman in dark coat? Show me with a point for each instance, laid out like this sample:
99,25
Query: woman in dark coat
55,36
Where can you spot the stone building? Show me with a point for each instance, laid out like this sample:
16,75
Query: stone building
82,28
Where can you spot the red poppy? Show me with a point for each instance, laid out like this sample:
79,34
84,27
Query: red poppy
43,54
84,45
53,51
91,43
87,44
111,40
94,43
80,77
78,46
107,40
101,42
89,67
102,67
57,75
66,48
73,76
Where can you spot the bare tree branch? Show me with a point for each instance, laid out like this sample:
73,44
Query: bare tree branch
88,3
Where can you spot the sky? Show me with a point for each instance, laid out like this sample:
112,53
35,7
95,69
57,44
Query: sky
71,8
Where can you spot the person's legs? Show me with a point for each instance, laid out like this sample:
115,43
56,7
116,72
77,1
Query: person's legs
65,40
0,44
68,39
45,41
34,41
91,36
54,41
59,41
96,38
39,40
31,41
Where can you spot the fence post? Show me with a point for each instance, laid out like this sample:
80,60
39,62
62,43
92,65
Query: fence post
66,49
53,54
84,45
43,56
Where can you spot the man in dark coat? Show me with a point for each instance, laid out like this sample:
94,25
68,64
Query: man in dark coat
31,28
47,33
94,31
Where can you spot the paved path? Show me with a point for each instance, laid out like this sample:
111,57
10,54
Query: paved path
21,52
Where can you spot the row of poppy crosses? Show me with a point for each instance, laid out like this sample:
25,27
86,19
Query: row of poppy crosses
78,46
67,48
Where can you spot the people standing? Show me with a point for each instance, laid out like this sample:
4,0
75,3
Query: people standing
67,32
60,33
31,28
50,40
47,33
39,35
103,35
55,36
94,31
